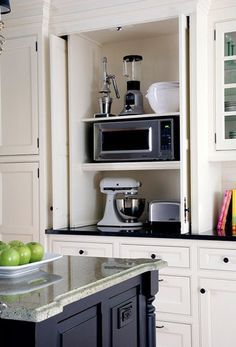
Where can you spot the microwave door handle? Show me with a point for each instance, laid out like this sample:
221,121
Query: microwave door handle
150,135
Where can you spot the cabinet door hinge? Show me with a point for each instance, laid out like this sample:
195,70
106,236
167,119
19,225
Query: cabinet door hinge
36,46
214,34
38,172
215,137
38,142
186,210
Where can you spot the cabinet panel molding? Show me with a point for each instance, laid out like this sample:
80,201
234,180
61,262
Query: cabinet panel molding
19,97
19,196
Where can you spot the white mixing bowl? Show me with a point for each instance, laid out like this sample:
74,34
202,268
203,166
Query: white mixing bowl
163,97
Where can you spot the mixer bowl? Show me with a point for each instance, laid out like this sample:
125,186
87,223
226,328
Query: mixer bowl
130,209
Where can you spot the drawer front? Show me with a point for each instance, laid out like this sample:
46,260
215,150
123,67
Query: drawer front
175,256
83,248
217,259
173,334
173,295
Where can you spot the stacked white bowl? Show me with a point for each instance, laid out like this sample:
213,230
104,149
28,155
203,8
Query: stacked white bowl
163,97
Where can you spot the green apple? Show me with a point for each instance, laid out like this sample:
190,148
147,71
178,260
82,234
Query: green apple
16,243
37,251
3,245
24,253
9,257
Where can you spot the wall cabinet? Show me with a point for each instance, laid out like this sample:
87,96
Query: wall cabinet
19,195
164,59
225,85
19,97
21,124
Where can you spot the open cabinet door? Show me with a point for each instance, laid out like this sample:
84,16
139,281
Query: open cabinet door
184,126
59,131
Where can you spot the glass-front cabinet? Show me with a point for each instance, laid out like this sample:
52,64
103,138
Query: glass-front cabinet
226,85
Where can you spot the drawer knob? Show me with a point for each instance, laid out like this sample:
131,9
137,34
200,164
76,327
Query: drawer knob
81,251
160,326
153,256
226,260
202,291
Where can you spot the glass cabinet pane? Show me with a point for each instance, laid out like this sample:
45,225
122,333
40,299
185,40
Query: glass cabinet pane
230,127
230,44
230,71
230,100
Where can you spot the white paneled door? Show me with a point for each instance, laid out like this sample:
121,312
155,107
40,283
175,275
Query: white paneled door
218,307
19,201
19,97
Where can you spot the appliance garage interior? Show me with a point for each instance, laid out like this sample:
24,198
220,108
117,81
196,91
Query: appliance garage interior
122,135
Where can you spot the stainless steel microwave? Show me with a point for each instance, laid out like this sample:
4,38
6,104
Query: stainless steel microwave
137,140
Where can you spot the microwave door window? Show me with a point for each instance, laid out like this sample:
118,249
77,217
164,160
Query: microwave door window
126,140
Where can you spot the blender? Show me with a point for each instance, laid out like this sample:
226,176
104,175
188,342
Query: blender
133,100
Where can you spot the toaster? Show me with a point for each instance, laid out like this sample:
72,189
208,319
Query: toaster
164,214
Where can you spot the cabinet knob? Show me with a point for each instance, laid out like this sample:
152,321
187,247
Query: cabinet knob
160,280
160,326
226,260
153,256
81,251
202,291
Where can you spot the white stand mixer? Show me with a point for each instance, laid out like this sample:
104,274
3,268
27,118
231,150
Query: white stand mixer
112,215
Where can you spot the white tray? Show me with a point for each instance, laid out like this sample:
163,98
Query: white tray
30,282
14,271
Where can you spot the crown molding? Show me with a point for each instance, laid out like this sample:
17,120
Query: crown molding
204,5
74,17
28,13
219,4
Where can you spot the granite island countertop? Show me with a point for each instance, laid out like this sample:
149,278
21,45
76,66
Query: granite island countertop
43,294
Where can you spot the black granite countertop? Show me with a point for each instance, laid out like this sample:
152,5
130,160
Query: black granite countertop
144,231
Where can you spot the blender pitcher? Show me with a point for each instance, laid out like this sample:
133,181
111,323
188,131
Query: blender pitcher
133,100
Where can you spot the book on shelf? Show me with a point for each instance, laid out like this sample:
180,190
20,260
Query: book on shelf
234,212
224,219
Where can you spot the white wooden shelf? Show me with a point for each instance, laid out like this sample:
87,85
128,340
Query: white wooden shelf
150,165
141,116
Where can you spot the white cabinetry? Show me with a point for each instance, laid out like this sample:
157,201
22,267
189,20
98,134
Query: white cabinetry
173,302
19,97
83,248
225,85
173,299
218,307
165,58
19,195
19,136
196,302
217,295
173,334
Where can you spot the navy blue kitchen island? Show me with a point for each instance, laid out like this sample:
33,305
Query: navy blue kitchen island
88,302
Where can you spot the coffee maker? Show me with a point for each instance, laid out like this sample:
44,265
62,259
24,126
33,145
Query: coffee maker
133,100
121,212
